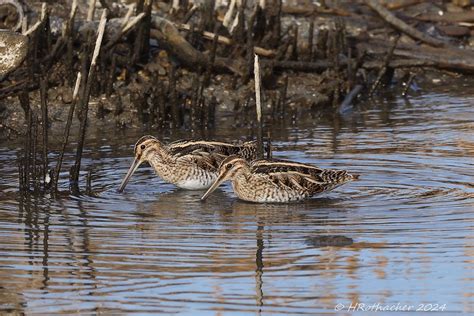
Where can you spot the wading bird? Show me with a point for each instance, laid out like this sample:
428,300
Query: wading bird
277,181
191,165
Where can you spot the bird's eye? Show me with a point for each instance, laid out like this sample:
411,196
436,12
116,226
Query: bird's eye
142,147
228,166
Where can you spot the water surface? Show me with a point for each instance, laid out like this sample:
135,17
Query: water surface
402,234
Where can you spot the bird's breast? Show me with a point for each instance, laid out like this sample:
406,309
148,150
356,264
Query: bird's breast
194,184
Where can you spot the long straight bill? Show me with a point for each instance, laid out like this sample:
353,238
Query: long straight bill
214,186
136,163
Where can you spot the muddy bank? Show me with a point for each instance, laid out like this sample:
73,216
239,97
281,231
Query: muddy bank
170,67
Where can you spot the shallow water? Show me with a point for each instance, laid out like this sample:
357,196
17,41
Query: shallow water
401,234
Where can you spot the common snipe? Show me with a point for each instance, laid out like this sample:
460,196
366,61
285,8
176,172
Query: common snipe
189,164
277,180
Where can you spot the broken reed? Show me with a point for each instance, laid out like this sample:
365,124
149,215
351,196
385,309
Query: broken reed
258,105
33,170
33,176
66,132
90,75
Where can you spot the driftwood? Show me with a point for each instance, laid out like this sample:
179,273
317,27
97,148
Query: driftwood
454,30
399,63
395,5
167,33
448,17
322,65
312,9
304,66
402,26
227,41
454,59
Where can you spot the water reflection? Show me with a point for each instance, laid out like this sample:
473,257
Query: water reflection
400,234
329,241
259,267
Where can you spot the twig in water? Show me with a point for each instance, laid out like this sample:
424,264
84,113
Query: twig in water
408,84
44,119
89,183
34,137
66,132
85,99
383,70
27,159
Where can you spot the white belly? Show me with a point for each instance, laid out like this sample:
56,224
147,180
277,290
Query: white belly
195,184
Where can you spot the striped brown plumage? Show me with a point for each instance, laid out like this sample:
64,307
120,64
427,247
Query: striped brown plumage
277,180
189,164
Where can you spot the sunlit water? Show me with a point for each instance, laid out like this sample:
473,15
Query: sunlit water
401,234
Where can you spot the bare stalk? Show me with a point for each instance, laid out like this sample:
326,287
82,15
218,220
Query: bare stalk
67,131
258,104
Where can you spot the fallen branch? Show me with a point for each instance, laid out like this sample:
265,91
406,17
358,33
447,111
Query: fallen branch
399,63
395,5
317,66
448,17
402,26
168,35
166,32
227,41
443,58
322,65
312,9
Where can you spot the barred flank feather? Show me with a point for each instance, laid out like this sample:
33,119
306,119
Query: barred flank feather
278,180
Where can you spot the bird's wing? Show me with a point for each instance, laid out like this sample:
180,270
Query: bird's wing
300,176
220,149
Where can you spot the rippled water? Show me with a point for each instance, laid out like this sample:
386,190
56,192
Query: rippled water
401,234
